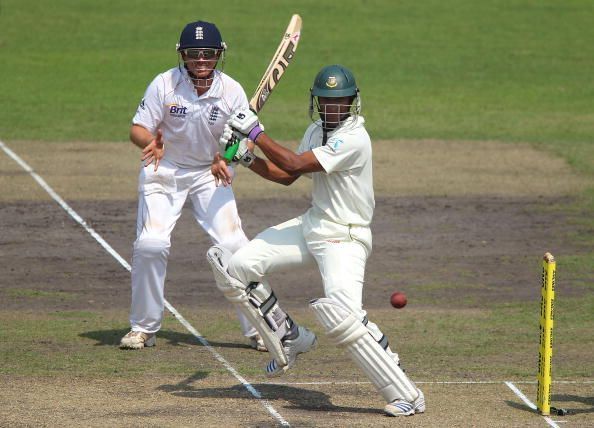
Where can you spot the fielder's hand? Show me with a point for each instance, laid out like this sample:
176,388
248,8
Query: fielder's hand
246,122
221,172
154,150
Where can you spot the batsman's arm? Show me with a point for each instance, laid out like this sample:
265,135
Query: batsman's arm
286,160
266,169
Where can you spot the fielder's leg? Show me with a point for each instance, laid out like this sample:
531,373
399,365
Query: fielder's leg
348,331
157,215
215,210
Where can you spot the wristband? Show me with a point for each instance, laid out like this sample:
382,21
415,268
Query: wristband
255,132
247,159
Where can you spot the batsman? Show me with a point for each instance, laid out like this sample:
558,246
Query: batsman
334,233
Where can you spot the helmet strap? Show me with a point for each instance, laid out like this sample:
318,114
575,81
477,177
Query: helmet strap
199,83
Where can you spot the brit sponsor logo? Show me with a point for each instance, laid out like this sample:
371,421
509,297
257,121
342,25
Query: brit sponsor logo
177,110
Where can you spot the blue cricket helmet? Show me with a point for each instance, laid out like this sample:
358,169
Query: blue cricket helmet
200,34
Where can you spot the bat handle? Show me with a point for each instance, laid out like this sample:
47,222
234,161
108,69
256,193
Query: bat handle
230,152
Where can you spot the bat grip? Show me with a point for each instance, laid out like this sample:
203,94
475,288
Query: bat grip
230,152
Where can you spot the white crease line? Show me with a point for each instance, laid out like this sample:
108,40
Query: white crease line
127,266
551,422
432,382
529,403
521,395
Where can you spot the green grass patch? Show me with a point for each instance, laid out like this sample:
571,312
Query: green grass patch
509,71
488,343
497,343
83,343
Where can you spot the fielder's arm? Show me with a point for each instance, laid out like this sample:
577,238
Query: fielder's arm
140,136
152,146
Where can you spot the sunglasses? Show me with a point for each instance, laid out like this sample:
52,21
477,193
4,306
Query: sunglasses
199,53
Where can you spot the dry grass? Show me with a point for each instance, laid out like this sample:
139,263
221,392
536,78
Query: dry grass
402,167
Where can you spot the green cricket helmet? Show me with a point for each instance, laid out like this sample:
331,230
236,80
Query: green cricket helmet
334,81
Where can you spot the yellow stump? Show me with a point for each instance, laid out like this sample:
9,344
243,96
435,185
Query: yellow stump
545,354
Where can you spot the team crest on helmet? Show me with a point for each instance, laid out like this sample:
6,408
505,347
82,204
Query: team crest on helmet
199,33
331,82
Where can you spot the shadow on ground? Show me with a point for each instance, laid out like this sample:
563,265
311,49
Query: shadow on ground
566,398
299,398
558,399
112,338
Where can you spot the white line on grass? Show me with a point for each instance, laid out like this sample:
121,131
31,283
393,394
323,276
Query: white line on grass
127,266
435,382
529,403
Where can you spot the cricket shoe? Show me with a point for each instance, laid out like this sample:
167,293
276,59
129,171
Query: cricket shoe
138,340
404,408
257,343
305,341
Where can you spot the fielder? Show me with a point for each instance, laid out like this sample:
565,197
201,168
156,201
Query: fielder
177,125
334,233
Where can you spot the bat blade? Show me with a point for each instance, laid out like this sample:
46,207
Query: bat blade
278,65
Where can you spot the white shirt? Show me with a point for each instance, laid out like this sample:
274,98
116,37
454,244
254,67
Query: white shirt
343,192
191,125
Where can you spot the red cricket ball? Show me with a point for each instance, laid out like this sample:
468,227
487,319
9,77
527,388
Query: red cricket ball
398,299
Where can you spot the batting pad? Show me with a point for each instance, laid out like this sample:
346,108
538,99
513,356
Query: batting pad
235,292
346,330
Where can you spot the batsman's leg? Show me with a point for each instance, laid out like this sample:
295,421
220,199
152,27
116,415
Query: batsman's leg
276,249
283,338
346,330
255,301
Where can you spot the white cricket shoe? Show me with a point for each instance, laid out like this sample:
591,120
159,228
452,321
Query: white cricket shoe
404,408
138,340
304,342
257,343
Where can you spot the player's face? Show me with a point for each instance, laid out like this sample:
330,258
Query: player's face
201,62
334,110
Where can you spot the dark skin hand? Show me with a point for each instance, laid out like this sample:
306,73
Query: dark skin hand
284,166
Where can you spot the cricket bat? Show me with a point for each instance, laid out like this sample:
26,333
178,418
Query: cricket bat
277,67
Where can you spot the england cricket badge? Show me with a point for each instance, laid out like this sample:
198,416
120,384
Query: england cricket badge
331,82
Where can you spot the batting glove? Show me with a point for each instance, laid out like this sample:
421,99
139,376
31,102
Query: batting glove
229,139
246,122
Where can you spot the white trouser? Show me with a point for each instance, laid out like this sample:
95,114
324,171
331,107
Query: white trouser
162,195
302,240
